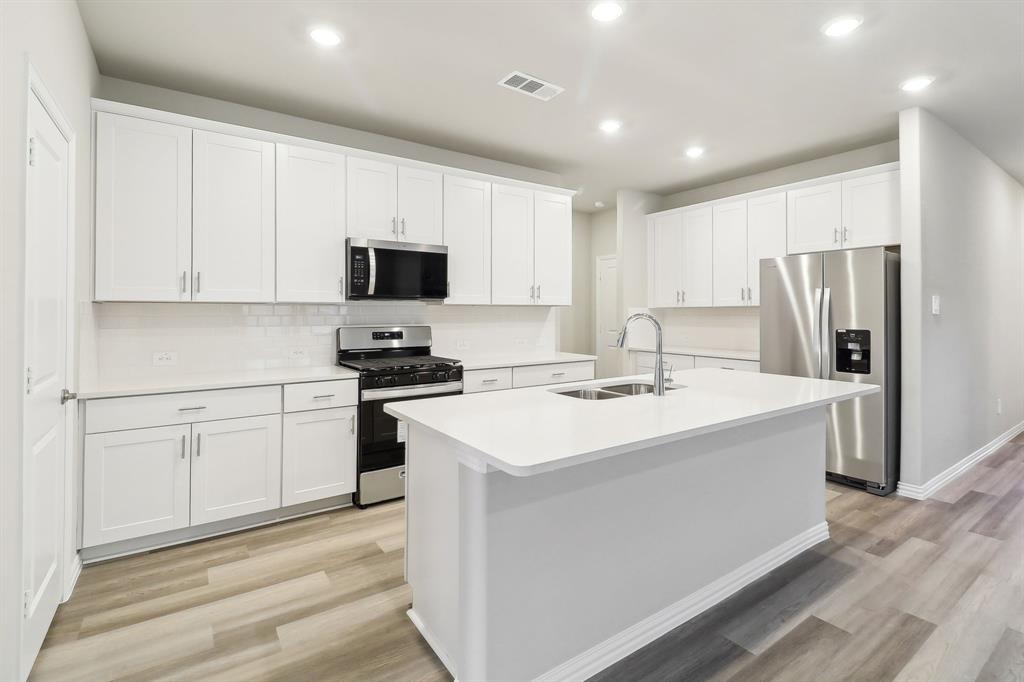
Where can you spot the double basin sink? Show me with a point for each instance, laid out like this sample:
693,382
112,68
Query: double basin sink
609,392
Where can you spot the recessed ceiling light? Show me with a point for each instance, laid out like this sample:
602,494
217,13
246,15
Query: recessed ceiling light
917,83
325,37
606,11
842,26
610,126
695,152
598,204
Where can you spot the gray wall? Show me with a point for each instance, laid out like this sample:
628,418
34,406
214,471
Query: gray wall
962,222
576,322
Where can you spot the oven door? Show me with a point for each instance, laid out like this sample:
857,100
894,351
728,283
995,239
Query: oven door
380,269
378,431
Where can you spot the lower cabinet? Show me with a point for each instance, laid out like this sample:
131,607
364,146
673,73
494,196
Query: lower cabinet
541,375
136,483
236,467
319,458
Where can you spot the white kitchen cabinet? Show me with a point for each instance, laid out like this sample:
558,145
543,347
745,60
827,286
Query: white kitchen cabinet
467,234
481,380
766,238
319,456
726,363
233,218
512,251
420,198
310,225
542,375
143,210
552,247
135,483
372,199
697,258
814,218
236,467
871,210
729,263
665,280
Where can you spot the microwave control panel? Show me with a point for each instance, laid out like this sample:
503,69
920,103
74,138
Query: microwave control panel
359,271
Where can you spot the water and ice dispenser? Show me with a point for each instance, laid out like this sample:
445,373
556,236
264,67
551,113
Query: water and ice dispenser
853,351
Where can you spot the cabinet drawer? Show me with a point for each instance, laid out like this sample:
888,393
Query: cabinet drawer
538,375
723,363
479,380
134,412
320,394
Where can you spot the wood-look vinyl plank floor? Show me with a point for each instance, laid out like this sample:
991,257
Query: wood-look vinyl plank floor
904,590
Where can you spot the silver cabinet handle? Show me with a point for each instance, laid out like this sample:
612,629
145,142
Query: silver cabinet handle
532,287
684,295
197,282
679,296
190,409
750,296
846,234
558,374
403,227
352,424
394,227
835,235
183,446
184,281
321,397
743,294
489,381
199,442
538,293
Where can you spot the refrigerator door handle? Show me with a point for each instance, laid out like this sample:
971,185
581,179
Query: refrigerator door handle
826,325
816,327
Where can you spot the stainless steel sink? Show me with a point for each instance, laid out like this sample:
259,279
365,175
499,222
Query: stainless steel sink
590,394
634,389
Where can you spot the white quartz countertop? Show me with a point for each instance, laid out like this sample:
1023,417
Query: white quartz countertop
530,431
751,355
214,380
492,361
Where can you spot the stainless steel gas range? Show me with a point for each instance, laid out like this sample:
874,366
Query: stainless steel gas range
394,363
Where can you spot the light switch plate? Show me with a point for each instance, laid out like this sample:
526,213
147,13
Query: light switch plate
936,304
165,358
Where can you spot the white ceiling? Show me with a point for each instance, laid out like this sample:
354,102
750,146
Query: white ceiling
756,83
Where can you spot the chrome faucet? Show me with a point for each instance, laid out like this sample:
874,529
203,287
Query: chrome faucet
659,370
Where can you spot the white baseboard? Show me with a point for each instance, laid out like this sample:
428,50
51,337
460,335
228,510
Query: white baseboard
432,641
617,647
930,487
72,577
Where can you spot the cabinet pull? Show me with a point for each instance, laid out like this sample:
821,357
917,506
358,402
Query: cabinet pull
403,227
531,291
846,234
750,296
199,442
352,423
538,293
321,397
678,296
684,295
489,381
183,446
190,409
558,374
197,282
743,294
835,235
394,227
184,281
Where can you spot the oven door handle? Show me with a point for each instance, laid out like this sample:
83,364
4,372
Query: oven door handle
410,391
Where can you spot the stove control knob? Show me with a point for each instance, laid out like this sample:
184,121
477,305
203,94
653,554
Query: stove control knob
453,375
393,381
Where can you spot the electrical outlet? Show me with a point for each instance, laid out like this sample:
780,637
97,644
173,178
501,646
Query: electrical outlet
520,342
297,354
165,358
999,405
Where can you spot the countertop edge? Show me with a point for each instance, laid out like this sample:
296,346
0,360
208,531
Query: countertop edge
471,365
98,394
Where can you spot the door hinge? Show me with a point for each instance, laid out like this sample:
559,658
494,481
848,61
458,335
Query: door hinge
31,151
28,380
26,603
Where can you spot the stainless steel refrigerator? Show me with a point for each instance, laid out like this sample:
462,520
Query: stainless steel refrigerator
836,315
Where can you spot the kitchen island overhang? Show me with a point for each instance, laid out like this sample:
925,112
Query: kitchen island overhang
548,537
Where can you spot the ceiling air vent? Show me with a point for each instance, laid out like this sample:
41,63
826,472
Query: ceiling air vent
528,85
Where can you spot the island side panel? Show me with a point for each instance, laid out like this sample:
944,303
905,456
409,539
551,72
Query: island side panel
574,557
432,540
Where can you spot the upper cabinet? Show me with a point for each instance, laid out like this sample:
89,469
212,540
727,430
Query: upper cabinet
232,218
511,245
766,238
729,262
552,248
467,234
143,210
395,203
310,225
815,218
665,273
871,210
697,261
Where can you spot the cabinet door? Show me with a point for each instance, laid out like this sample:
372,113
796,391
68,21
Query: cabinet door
552,248
467,234
233,219
697,258
814,218
319,457
310,225
766,237
419,206
665,282
236,467
143,210
871,210
511,245
729,262
135,483
372,199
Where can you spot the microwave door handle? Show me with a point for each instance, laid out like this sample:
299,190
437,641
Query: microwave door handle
816,329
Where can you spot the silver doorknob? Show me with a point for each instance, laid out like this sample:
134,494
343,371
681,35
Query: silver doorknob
66,395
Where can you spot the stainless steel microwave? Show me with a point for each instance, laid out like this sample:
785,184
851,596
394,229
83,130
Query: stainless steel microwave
383,270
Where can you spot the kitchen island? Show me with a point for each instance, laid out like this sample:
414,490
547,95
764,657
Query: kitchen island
549,536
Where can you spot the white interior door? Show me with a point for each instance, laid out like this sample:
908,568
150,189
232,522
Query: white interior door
511,245
372,203
47,225
729,264
606,316
552,247
766,237
310,225
420,195
233,218
467,234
